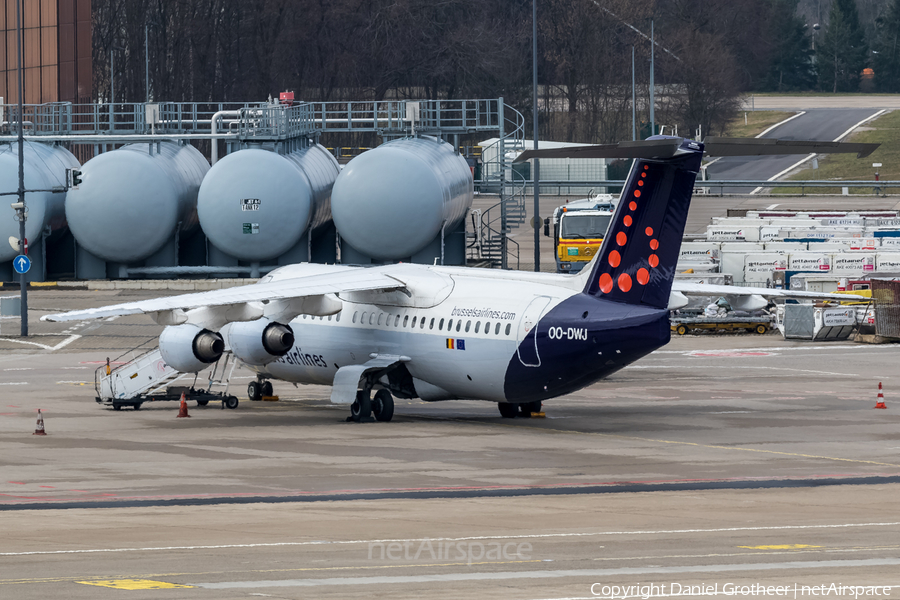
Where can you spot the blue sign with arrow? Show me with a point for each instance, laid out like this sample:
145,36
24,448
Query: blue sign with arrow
21,264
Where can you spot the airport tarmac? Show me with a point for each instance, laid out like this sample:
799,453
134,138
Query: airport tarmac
733,459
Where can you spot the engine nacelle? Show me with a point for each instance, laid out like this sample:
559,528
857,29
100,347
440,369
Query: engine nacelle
261,341
188,348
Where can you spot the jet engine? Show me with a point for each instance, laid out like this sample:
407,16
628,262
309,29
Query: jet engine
188,348
261,341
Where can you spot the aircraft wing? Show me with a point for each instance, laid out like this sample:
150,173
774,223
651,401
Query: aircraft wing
351,280
706,289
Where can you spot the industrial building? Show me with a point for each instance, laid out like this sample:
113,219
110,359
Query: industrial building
150,204
56,62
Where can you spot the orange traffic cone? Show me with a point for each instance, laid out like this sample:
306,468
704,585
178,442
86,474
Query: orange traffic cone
880,403
182,410
39,430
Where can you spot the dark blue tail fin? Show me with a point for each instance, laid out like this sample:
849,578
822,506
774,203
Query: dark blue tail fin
636,264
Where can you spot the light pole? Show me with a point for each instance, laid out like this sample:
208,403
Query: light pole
20,211
652,67
536,221
147,61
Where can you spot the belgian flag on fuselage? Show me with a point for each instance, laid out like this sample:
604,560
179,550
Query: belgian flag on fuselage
636,263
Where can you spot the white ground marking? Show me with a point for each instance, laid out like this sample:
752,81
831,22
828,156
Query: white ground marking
837,139
780,123
62,344
765,367
20,369
771,206
462,539
783,349
14,383
587,573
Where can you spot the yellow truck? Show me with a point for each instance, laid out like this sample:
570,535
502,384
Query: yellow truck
578,229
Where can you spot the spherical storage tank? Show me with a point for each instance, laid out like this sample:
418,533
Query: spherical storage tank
45,167
132,201
255,204
391,201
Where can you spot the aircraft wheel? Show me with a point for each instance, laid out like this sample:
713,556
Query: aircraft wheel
202,402
254,390
530,407
137,406
761,329
383,405
361,409
508,410
681,330
117,407
267,388
230,402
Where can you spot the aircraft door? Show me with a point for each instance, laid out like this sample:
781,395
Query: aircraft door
528,353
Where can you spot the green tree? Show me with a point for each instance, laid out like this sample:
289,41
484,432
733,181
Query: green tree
791,64
887,50
842,55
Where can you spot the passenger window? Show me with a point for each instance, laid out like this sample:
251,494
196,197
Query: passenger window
337,319
362,319
422,323
458,325
449,324
441,325
477,325
487,326
414,323
406,320
468,324
372,319
356,312
508,328
431,325
329,317
497,329
397,321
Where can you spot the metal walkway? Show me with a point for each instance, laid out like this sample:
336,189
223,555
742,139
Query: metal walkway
147,378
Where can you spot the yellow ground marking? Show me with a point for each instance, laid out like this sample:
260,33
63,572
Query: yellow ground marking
104,582
780,547
43,283
134,584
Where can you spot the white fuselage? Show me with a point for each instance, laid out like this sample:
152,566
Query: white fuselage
460,328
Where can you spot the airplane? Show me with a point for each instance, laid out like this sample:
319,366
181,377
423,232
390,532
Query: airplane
442,333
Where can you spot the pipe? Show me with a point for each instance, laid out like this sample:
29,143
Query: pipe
214,153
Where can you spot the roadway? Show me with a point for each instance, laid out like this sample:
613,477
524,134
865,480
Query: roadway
818,124
730,459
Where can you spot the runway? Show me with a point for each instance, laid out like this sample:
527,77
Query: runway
733,459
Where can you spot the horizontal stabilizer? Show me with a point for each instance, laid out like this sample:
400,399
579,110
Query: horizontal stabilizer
661,148
718,146
714,146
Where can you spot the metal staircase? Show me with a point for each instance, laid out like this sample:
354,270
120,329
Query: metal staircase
493,225
146,377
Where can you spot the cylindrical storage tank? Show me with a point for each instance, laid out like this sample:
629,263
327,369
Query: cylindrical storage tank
255,205
391,201
132,200
45,167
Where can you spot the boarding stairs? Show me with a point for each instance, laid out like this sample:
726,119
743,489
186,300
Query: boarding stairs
145,377
492,225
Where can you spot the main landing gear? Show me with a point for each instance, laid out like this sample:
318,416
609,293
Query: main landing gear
257,389
381,406
510,410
